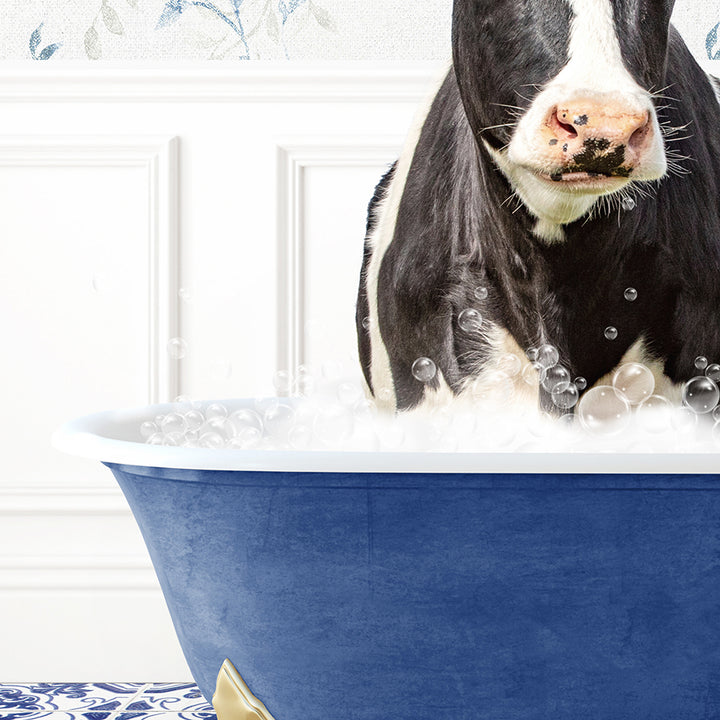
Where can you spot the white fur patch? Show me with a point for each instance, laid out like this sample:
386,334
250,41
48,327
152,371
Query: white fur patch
382,236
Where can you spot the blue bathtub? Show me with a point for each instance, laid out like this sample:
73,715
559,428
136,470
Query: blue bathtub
391,586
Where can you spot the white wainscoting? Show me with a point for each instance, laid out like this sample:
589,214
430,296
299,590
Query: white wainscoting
226,207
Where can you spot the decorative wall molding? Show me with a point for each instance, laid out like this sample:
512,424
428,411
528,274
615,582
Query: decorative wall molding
250,82
158,157
294,157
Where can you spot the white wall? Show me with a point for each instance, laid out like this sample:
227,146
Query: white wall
247,190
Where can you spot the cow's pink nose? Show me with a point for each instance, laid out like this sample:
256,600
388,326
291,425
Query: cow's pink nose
586,129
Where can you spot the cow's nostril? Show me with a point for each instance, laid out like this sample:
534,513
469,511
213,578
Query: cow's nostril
638,137
562,129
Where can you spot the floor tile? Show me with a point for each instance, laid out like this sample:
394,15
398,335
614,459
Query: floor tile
171,698
69,697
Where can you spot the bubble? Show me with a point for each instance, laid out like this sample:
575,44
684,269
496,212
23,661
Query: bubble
185,295
470,321
282,382
533,374
716,414
603,412
631,294
248,438
385,396
701,362
580,383
366,323
349,393
183,400
611,333
391,436
532,354
684,420
716,433
174,423
548,356
333,425
216,410
510,364
713,372
174,439
147,429
278,421
101,283
701,395
654,415
300,437
304,381
481,293
155,439
245,418
177,348
222,426
424,369
262,405
565,397
556,378
194,419
211,441
628,203
634,382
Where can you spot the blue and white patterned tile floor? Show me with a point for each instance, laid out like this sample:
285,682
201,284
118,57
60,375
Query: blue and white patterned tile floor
103,701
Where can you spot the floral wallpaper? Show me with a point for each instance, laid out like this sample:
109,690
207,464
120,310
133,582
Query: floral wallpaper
241,30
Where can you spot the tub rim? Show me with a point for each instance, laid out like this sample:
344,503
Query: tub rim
95,437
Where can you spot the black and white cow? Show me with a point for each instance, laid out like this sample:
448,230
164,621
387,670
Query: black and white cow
572,152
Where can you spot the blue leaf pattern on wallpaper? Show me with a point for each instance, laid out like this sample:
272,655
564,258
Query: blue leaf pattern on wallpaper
288,8
711,43
248,20
34,44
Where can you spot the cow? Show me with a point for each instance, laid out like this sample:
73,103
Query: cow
560,194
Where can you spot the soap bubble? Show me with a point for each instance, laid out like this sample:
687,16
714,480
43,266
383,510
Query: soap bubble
100,282
177,348
716,414
470,321
548,356
481,293
424,369
300,437
282,382
262,405
385,396
245,418
631,294
174,423
147,429
580,383
628,203
532,354
533,374
194,419
701,395
211,441
713,372
155,439
611,333
247,438
333,425
349,393
216,410
493,388
684,420
557,378
174,439
510,364
701,363
278,421
220,425
565,397
716,433
366,323
304,380
634,382
603,412
654,414
185,295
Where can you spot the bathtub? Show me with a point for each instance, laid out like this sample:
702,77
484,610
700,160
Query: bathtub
398,586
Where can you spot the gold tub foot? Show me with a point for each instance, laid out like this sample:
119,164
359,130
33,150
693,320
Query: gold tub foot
233,700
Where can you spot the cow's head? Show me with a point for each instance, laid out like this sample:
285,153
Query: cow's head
561,93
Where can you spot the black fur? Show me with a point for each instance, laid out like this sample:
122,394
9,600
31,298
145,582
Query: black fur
455,232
